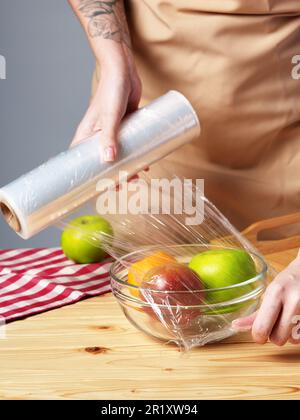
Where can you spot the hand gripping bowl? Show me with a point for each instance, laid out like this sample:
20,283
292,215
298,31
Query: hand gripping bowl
209,317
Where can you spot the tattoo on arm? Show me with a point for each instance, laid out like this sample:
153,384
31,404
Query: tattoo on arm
106,19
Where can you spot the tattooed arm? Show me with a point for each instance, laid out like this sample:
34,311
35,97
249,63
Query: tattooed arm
106,19
119,88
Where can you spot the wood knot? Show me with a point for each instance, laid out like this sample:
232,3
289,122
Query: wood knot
97,350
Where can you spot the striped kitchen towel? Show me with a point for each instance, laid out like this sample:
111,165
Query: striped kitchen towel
36,280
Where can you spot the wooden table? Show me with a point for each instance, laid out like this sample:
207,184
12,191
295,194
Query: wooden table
89,350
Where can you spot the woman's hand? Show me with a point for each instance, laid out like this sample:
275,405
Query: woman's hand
119,88
278,318
118,93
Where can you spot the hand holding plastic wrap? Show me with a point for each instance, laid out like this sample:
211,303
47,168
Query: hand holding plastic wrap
60,186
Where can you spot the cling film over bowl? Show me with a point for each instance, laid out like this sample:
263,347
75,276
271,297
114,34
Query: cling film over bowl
176,281
182,272
173,303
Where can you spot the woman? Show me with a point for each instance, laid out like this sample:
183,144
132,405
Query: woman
233,60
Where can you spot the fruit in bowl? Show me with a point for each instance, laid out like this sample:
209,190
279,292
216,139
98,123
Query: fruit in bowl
172,277
159,278
171,289
209,323
220,268
82,239
140,268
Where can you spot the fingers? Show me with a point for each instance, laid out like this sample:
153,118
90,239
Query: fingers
244,324
112,96
86,128
135,96
105,113
268,314
109,134
278,318
280,331
107,124
284,325
110,122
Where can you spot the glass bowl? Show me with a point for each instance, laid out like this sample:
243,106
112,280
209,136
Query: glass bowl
207,319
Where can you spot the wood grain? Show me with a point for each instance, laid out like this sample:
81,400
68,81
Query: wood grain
89,350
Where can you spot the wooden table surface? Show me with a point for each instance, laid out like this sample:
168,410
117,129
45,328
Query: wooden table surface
89,350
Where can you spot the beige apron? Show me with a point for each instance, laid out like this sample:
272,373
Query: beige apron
233,60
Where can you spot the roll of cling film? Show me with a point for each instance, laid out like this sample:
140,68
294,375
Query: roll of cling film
58,187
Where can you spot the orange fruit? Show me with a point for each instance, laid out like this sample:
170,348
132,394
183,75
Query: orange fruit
137,270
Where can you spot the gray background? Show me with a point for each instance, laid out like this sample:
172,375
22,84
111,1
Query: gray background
49,69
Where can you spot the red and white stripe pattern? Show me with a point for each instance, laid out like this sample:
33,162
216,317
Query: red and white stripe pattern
36,280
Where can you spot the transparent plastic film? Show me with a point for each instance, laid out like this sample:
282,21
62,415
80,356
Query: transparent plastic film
63,184
173,302
179,281
182,272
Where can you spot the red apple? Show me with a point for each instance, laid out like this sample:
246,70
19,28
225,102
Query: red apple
173,286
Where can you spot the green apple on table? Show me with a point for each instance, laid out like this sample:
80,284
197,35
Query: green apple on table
82,239
220,268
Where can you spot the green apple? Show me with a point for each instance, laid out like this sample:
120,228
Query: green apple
82,239
220,268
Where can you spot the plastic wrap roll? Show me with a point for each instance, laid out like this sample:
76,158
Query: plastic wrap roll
58,187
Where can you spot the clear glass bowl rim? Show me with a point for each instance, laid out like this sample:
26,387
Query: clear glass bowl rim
260,276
